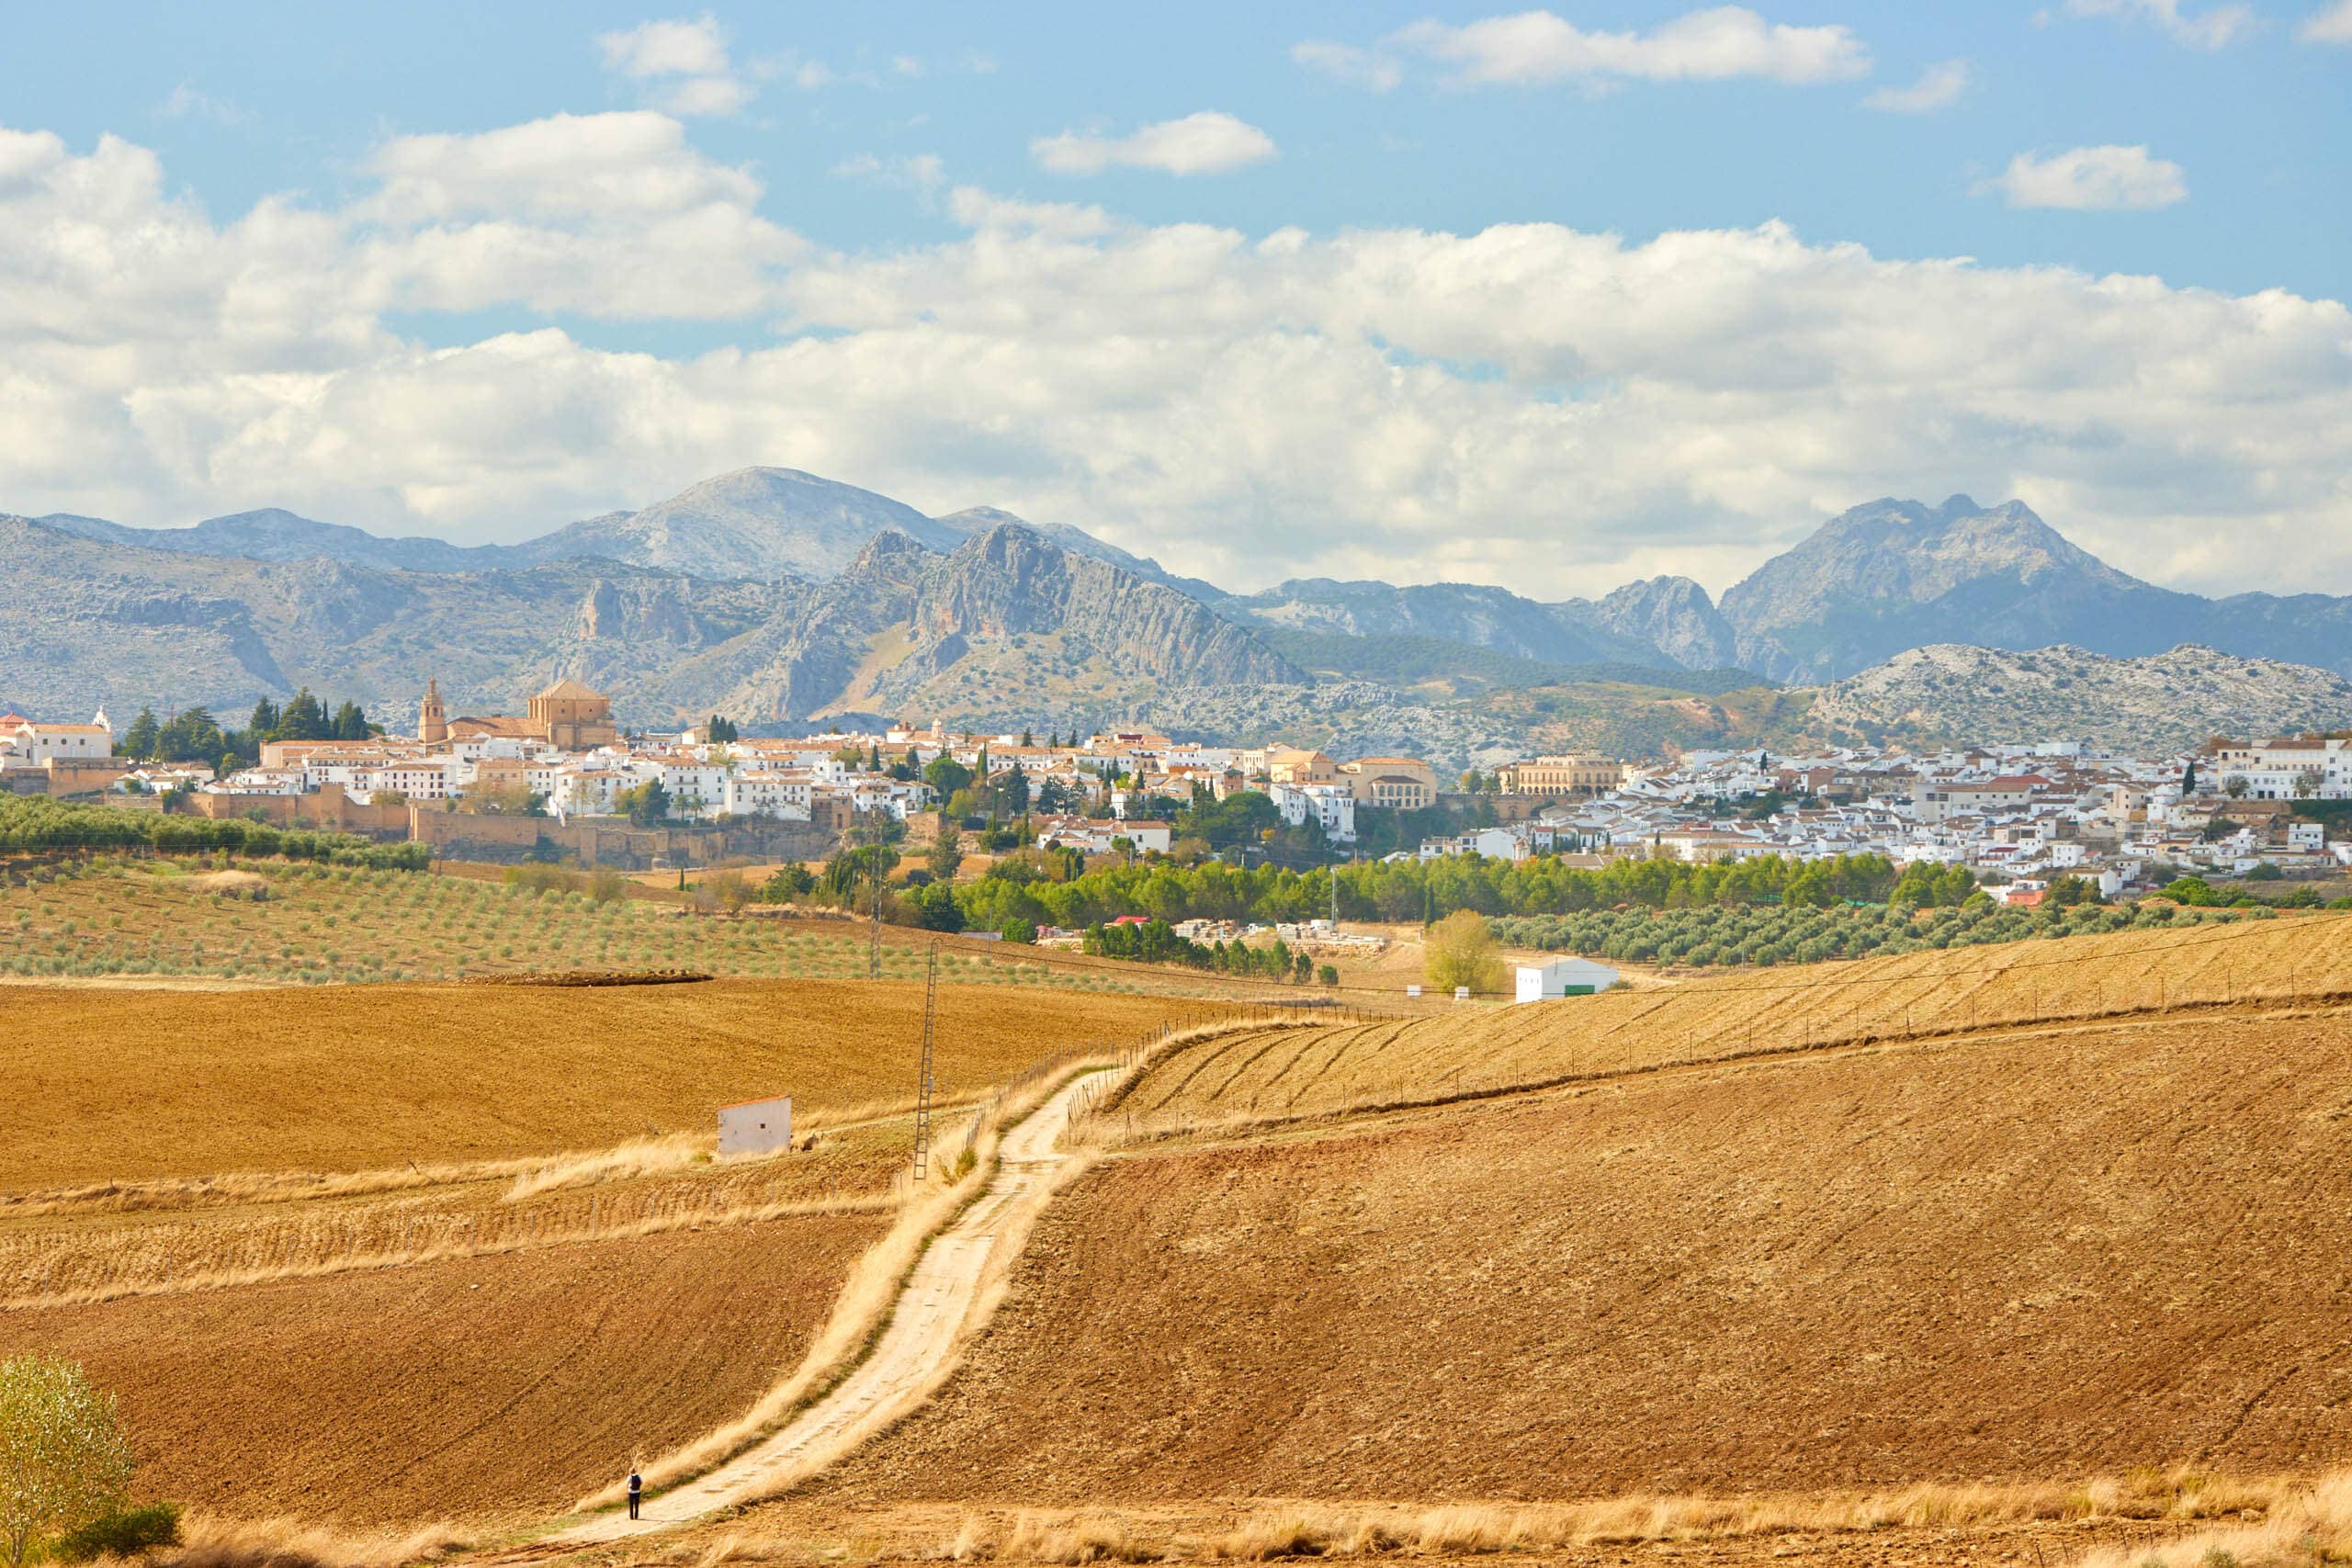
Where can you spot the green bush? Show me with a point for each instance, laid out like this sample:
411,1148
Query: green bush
127,1532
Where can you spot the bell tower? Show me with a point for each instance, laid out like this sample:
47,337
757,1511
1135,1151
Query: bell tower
433,719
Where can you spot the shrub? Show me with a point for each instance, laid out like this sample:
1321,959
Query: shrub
126,1532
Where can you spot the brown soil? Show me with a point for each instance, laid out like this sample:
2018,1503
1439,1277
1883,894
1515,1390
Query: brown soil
495,1387
2026,1255
136,1084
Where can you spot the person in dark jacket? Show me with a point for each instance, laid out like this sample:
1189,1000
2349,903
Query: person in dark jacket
636,1490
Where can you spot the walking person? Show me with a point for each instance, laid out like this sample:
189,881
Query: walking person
636,1490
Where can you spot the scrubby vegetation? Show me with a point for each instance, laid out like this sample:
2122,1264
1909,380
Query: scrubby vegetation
1770,935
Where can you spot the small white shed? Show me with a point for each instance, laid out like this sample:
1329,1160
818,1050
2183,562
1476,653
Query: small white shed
1563,978
755,1127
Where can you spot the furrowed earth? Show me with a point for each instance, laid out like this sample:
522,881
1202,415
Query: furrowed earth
2006,1255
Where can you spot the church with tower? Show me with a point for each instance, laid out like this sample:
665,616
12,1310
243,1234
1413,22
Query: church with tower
567,716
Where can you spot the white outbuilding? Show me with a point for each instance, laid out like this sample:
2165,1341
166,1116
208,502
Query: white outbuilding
755,1127
1563,978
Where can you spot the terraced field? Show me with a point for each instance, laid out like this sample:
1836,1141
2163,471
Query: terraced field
1310,1068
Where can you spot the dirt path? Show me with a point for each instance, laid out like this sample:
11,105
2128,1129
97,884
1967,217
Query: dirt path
924,1330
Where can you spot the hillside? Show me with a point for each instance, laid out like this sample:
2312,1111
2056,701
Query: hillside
2169,700
497,1387
1958,1257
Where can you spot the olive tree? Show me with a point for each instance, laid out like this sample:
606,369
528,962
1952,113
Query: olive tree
62,1460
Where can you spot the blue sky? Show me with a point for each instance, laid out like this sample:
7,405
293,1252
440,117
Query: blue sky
900,180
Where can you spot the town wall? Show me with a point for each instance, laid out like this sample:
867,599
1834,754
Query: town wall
331,808
615,841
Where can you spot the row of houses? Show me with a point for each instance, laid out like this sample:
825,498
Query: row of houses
2019,814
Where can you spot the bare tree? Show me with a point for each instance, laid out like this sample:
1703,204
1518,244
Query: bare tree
63,1460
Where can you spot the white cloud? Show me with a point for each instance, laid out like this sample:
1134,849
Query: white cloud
1364,68
186,102
1537,46
2091,179
2330,25
1529,404
1203,143
1938,88
2213,28
923,173
684,64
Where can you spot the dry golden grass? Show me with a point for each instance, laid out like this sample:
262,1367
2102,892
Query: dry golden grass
1269,1532
1236,1074
173,1087
2310,1525
207,1542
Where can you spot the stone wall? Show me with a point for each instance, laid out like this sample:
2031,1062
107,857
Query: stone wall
612,842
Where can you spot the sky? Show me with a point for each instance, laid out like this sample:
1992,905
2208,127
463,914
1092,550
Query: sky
1552,298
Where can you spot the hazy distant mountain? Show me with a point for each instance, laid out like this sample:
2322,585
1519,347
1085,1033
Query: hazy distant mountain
1872,582
1895,575
2174,699
275,535
1008,627
1077,541
1673,614
1471,614
1007,623
756,523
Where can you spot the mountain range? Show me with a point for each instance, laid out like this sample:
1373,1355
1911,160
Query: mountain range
779,596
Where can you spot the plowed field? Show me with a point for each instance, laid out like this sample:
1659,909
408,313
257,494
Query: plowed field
490,1388
2031,1255
139,1084
1308,1069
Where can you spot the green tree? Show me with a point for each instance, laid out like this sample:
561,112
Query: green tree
946,775
303,718
1014,794
646,805
721,731
2236,787
63,1463
1460,951
263,724
138,740
349,723
946,856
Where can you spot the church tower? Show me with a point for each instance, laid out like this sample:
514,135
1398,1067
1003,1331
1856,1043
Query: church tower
433,719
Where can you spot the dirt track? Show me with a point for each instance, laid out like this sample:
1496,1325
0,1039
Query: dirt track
932,1316
2031,1256
497,1387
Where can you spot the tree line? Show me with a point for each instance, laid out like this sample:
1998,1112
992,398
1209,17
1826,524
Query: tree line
34,823
193,735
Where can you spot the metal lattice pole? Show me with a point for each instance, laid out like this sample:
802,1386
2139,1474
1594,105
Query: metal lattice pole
923,1076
